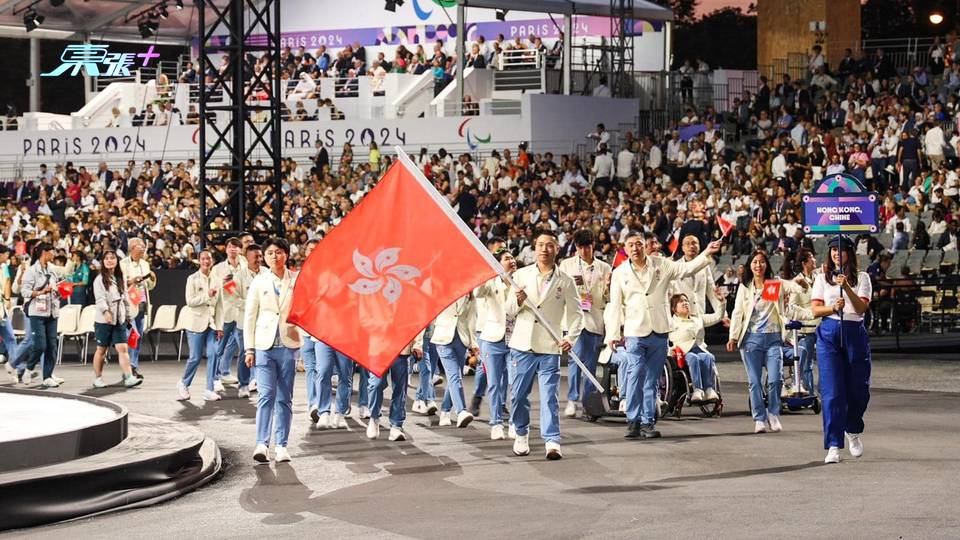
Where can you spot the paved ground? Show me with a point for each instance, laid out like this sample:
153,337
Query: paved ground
708,477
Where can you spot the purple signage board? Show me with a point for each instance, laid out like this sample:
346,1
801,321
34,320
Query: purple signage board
853,213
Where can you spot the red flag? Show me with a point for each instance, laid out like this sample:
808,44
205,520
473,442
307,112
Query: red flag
388,269
619,258
134,338
133,295
20,249
65,289
771,290
725,226
674,244
230,287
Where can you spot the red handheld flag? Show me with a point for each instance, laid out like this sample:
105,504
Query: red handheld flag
725,226
771,290
134,338
133,295
230,287
65,289
388,269
21,249
674,244
619,258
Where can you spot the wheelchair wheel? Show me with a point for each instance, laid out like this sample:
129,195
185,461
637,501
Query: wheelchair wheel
681,391
664,386
817,406
716,408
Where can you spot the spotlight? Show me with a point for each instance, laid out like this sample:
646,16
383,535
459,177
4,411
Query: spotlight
163,12
56,3
179,4
391,5
147,28
32,20
936,17
502,14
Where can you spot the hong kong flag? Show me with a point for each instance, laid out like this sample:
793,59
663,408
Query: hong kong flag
388,269
725,226
771,290
620,258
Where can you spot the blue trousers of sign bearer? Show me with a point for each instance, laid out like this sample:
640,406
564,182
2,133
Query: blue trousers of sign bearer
844,378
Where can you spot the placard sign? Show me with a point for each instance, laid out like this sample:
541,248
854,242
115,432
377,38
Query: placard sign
841,205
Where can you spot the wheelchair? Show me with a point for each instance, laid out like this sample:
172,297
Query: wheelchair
675,388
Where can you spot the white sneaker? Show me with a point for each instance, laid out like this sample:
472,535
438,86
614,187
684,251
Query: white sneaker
854,444
373,428
12,373
131,380
571,410
338,421
711,395
281,455
468,370
512,432
324,421
58,379
623,406
229,379
833,455
253,386
364,412
211,396
419,407
431,408
464,418
437,380
218,386
49,382
260,454
774,422
759,427
445,419
697,396
183,393
496,433
396,434
521,446
243,392
553,451
98,383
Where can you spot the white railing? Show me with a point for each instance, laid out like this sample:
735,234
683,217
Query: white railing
520,59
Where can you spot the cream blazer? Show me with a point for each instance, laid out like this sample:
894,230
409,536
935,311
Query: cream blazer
233,304
747,300
643,309
264,312
417,344
688,333
599,293
558,301
493,294
202,310
459,317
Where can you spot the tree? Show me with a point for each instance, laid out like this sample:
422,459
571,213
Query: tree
684,11
725,38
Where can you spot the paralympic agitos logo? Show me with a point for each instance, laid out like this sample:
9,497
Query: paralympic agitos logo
423,14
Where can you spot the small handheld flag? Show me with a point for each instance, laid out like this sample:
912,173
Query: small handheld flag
771,290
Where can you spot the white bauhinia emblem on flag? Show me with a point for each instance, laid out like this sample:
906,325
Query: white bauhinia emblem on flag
772,290
382,274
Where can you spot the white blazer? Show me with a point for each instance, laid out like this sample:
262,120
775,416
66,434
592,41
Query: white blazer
700,289
688,333
417,344
747,300
643,309
493,293
233,304
459,317
598,289
558,301
202,310
265,311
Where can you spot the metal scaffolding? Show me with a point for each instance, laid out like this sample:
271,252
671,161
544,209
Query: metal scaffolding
621,75
240,114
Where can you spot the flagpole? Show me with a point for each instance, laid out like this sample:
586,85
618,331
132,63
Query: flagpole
444,205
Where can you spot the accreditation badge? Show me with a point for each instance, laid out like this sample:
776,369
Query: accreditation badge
586,301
